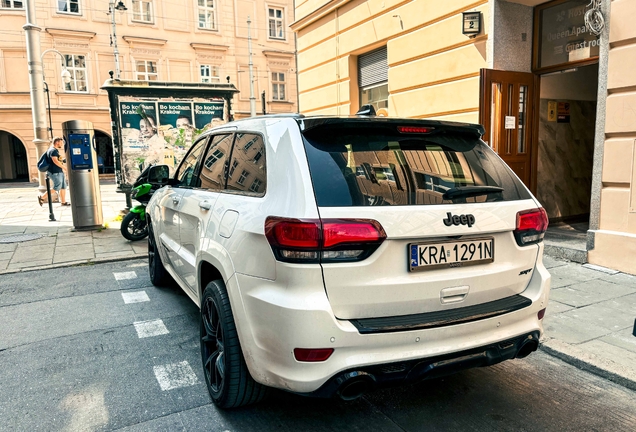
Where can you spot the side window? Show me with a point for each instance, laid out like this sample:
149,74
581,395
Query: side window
186,174
214,163
247,171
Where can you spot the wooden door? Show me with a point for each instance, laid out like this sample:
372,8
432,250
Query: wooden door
507,108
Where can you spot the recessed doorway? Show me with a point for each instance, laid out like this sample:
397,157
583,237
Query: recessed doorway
14,163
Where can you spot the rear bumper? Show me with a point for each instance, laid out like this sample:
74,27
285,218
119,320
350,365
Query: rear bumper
372,377
274,317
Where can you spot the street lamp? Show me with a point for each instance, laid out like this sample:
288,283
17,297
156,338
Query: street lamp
112,7
66,78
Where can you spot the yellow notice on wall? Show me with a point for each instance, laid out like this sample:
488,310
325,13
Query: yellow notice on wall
552,111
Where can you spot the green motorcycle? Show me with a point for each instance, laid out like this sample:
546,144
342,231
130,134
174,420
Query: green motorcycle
134,226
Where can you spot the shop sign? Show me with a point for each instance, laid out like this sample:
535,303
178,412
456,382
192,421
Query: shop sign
563,36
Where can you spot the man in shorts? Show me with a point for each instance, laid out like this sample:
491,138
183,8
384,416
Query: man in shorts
56,172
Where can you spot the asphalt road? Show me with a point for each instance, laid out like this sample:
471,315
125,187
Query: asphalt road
72,358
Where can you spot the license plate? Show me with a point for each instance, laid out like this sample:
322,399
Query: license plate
433,255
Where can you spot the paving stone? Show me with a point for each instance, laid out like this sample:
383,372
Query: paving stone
623,339
619,355
550,262
555,307
4,265
599,315
8,247
36,253
27,264
570,330
120,254
588,293
576,272
73,253
74,240
113,248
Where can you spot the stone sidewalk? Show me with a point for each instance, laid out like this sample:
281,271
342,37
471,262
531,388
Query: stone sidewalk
590,319
58,245
588,323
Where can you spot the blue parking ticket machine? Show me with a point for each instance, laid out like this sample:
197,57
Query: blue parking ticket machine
80,145
83,175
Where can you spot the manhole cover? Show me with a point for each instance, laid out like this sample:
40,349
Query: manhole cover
18,238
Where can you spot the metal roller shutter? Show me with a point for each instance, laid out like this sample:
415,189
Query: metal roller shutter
373,68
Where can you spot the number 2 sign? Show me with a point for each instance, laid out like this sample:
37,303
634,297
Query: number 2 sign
471,23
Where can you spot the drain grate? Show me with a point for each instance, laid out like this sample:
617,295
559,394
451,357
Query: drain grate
19,238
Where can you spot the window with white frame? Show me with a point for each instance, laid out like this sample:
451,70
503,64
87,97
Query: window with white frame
210,74
278,86
207,14
256,184
142,11
243,176
12,4
68,6
276,23
76,65
146,70
213,158
235,163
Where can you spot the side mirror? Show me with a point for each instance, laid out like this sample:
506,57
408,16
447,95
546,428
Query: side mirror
159,174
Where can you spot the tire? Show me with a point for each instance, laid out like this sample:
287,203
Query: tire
159,276
229,381
133,228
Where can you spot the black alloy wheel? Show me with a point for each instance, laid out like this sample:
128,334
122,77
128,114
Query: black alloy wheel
212,349
229,381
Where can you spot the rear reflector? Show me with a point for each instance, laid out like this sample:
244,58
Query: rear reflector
531,226
312,355
326,240
541,314
415,129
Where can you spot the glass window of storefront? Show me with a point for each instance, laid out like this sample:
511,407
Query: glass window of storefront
561,38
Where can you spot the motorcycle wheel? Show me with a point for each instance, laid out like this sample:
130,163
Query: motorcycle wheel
133,228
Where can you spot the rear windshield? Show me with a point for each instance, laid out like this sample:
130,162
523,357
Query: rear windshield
363,167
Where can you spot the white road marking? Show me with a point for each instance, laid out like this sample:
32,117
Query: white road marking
150,328
125,275
135,297
176,375
138,265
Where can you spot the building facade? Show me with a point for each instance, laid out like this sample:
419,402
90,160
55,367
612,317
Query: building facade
554,94
161,40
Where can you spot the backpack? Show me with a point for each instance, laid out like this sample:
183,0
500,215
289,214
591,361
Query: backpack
44,162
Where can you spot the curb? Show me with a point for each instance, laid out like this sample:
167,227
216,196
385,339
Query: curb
91,261
588,362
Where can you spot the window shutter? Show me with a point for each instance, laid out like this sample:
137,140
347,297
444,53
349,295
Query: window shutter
373,68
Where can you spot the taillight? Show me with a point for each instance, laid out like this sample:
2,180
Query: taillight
415,129
312,354
531,226
326,240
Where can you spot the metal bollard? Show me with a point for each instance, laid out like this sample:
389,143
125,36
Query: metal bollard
48,195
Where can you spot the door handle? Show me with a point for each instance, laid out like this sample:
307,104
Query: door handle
205,205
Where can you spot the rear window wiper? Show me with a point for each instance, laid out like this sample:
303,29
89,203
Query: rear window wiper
470,191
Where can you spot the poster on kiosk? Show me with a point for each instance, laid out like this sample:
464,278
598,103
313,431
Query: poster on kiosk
161,130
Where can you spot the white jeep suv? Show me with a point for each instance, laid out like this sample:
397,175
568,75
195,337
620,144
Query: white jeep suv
334,255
